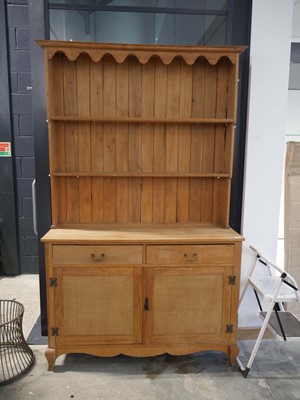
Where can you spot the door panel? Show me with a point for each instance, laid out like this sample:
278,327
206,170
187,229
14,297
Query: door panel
99,305
187,304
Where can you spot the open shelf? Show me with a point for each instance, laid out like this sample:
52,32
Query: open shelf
139,142
144,174
140,120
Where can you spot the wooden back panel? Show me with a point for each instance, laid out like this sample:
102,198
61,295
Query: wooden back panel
140,200
124,144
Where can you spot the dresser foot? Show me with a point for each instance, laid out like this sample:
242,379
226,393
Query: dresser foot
233,351
50,354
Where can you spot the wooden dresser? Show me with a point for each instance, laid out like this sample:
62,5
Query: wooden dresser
140,258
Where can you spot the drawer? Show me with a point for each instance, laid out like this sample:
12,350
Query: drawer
86,254
185,254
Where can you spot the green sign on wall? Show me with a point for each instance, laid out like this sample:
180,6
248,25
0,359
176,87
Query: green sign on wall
5,149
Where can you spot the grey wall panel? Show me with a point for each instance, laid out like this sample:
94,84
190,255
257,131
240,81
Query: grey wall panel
22,132
37,23
8,222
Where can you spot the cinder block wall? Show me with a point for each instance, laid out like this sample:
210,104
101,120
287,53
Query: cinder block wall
21,106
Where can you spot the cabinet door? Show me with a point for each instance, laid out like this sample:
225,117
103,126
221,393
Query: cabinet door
187,304
98,305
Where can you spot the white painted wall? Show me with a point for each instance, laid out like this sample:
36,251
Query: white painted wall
293,114
268,98
296,19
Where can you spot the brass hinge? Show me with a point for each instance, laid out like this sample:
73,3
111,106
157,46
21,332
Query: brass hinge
55,331
229,328
53,282
231,280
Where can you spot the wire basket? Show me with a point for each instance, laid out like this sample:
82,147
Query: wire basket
16,357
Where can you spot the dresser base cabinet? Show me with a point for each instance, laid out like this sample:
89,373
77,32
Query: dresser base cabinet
142,291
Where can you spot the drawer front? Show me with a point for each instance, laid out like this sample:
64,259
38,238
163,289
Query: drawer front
187,254
86,254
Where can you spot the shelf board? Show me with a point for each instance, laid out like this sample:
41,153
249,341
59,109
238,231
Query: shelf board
140,120
142,174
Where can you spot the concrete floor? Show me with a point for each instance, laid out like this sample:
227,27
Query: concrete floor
275,374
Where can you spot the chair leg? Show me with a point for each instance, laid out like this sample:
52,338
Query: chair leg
245,371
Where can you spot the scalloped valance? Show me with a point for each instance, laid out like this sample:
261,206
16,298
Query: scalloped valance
120,52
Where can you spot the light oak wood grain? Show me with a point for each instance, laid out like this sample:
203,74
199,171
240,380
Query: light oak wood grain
141,153
69,254
204,233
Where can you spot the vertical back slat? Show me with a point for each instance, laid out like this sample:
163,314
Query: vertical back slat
84,137
109,199
60,184
229,140
207,191
220,136
97,200
122,150
148,84
216,213
170,200
56,89
195,199
208,148
122,110
73,215
109,110
185,111
184,141
146,200
71,139
159,145
158,209
199,94
135,110
232,104
173,112
225,202
160,111
61,205
109,107
134,200
57,148
221,201
221,112
233,73
97,140
122,202
199,75
147,142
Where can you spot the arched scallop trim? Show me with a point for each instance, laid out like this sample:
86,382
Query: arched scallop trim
143,56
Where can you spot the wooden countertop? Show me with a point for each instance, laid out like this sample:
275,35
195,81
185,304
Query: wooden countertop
194,233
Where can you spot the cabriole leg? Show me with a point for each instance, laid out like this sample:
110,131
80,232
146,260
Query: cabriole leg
50,354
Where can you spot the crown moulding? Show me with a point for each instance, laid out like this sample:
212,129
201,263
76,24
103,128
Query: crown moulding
143,57
96,51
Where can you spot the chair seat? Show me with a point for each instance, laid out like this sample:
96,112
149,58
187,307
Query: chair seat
266,285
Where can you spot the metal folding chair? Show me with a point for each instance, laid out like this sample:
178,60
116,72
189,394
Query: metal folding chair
275,287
